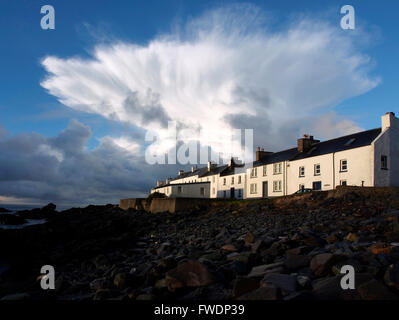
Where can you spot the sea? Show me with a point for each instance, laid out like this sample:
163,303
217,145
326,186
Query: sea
14,209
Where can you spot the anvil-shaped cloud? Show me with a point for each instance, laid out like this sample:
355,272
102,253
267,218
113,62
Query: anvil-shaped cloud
224,70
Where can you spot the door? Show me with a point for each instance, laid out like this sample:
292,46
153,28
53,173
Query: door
264,189
317,185
232,193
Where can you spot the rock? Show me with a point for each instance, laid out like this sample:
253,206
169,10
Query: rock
352,237
11,219
262,270
295,251
374,290
391,276
229,247
17,296
283,281
121,280
163,247
102,294
100,283
243,285
258,246
321,263
189,274
380,248
249,239
298,296
332,238
145,296
4,210
101,262
294,262
267,292
330,288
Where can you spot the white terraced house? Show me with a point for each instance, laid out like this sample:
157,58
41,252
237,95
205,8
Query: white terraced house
367,158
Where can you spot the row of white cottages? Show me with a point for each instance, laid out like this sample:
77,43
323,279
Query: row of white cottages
368,158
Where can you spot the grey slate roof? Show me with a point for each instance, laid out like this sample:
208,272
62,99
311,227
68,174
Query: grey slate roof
359,139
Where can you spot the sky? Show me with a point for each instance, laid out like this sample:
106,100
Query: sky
77,102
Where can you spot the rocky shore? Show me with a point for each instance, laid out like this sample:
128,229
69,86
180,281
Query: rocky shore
289,248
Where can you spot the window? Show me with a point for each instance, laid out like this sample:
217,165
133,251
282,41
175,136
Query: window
232,180
224,194
384,162
301,187
343,183
277,168
277,186
253,188
239,193
317,185
317,169
202,191
254,172
343,165
301,171
239,179
264,170
350,141
224,181
179,189
213,190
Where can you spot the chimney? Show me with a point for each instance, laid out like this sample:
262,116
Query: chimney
261,153
193,168
181,172
388,120
305,143
209,165
168,180
159,183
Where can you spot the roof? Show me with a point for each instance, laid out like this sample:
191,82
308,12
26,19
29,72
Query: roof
348,142
356,140
179,184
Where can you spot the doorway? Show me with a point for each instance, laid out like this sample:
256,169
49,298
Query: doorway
265,189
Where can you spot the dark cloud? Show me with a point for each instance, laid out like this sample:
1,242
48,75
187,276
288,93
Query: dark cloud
151,111
61,169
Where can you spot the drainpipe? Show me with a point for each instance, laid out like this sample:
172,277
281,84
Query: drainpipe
333,170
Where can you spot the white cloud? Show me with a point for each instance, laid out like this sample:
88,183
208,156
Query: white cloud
225,69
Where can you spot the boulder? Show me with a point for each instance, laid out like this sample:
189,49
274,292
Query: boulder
267,292
242,285
374,290
391,276
189,274
321,263
262,270
285,282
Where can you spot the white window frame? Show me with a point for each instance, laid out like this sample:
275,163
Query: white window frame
341,182
341,165
254,172
264,170
239,179
253,188
202,191
277,168
277,186
317,165
224,181
232,180
301,171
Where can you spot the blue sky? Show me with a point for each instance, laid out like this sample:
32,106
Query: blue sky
28,106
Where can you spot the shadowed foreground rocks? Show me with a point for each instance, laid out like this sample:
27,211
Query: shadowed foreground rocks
290,248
